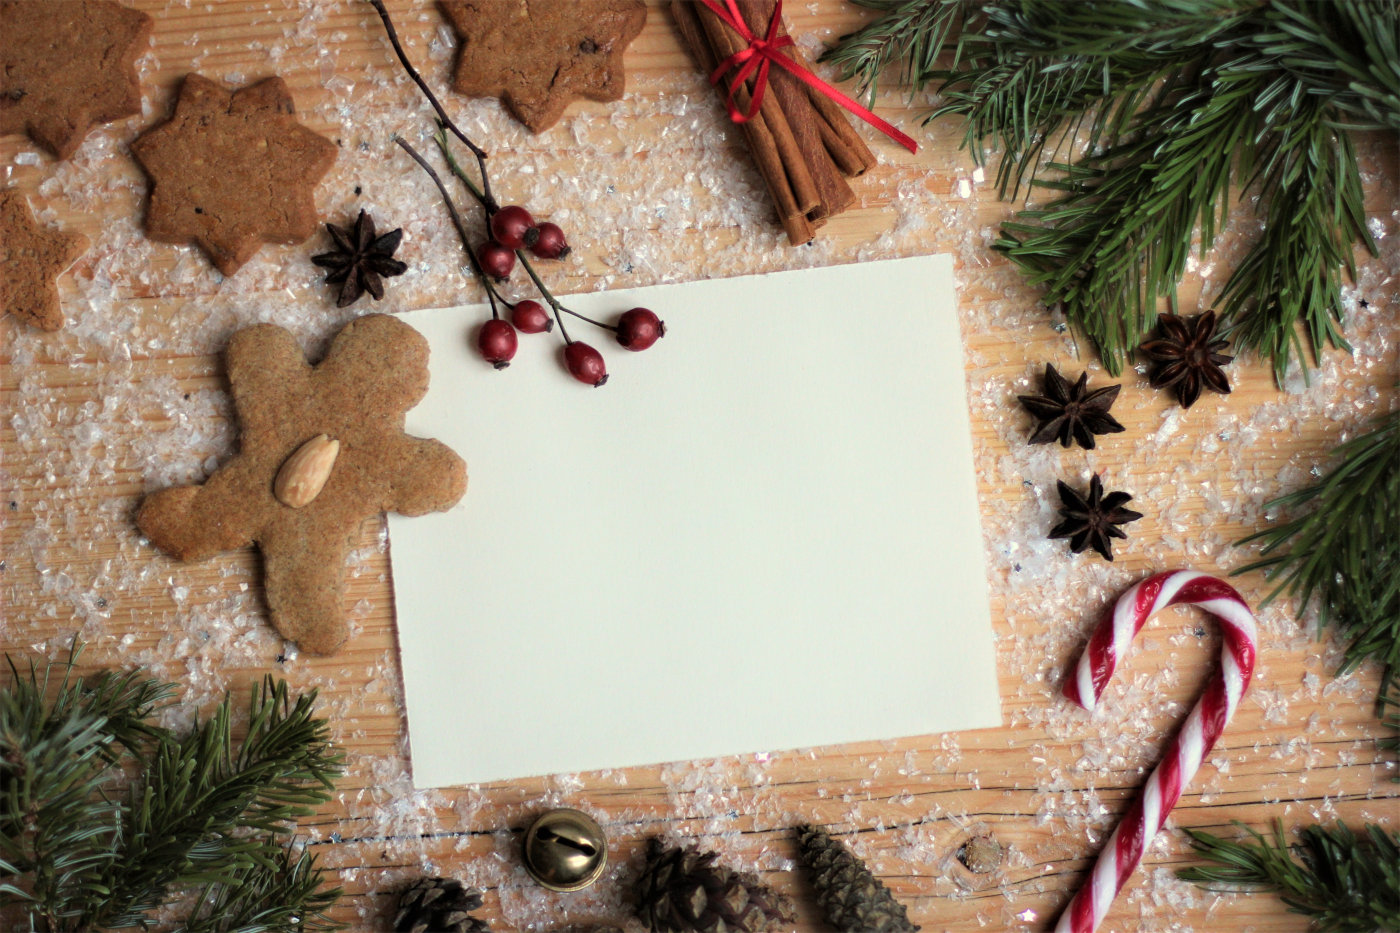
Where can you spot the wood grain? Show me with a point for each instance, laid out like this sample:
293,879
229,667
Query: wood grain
1048,784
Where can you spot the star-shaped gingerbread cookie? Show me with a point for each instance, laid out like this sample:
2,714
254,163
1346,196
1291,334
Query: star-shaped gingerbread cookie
65,67
321,449
232,170
31,257
539,55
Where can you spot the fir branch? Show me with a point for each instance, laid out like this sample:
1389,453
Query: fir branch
188,820
909,32
123,700
57,743
1139,89
126,700
1112,245
1344,550
1292,274
1344,882
1390,719
267,895
77,855
1358,70
1030,75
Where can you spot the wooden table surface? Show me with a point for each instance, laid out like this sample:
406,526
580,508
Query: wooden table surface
131,397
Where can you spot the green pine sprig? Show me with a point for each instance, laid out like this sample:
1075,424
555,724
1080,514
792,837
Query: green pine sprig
1156,115
1031,74
1111,244
1390,718
277,892
1343,551
909,34
1343,881
59,740
105,815
1291,278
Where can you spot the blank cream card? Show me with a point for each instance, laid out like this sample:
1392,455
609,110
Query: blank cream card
761,534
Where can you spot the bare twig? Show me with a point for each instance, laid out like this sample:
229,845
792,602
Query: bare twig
443,119
456,222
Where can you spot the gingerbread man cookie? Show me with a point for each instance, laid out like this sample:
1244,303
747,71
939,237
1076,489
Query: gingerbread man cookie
232,170
537,56
31,257
322,448
65,67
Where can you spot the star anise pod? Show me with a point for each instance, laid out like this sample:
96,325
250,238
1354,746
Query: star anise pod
1187,357
360,259
1094,521
1071,412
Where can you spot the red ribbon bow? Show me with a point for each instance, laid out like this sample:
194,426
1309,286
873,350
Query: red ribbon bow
760,53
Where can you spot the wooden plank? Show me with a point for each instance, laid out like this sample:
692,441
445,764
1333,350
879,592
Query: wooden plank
1048,785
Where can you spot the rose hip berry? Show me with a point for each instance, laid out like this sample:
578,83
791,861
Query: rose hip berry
497,342
585,364
551,243
496,260
639,328
513,227
530,317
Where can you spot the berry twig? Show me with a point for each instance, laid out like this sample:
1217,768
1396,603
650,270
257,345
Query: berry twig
457,222
455,167
444,121
511,231
440,137
497,340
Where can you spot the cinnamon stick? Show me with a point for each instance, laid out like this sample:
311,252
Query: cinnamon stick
847,161
757,134
839,123
726,42
801,142
801,114
852,148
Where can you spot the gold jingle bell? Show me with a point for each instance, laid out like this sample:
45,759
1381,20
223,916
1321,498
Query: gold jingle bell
565,850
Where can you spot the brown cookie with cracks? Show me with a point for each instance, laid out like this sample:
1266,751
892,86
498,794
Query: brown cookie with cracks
65,67
31,257
232,170
375,371
537,56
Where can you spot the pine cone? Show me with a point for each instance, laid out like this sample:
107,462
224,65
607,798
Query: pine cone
853,899
438,905
683,891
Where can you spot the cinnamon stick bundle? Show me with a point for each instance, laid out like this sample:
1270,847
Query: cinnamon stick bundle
801,141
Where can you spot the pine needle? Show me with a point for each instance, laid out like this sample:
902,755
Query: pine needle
911,33
182,823
1390,719
78,854
1344,551
1153,115
1110,247
1310,189
1032,75
267,895
1343,881
58,742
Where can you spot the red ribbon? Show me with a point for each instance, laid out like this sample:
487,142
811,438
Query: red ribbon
758,54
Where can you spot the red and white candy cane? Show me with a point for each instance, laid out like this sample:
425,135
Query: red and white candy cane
1108,644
